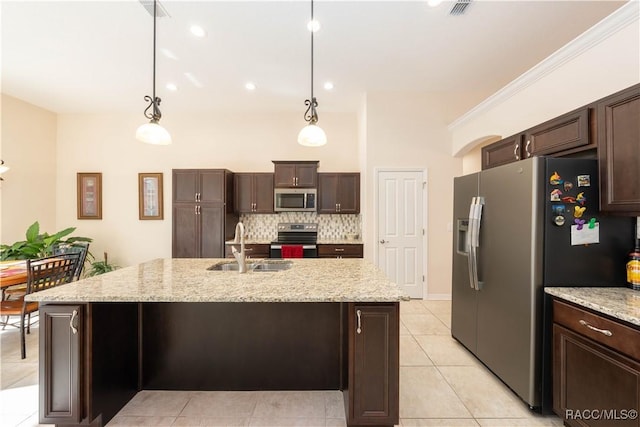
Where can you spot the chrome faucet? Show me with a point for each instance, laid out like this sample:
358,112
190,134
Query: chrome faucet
239,256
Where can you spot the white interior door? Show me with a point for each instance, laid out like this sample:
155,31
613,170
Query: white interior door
400,229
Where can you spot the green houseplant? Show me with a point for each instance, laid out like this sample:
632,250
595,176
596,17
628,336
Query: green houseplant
38,245
100,267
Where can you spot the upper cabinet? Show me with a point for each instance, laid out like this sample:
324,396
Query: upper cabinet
295,174
338,193
618,123
563,133
253,192
502,152
200,185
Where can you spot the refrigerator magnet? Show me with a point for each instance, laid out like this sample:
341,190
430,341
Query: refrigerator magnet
555,195
559,220
584,180
555,179
557,209
568,186
581,199
592,223
578,211
579,224
569,199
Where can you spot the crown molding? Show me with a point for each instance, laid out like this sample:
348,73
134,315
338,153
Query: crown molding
624,16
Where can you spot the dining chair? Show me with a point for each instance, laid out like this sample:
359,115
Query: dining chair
43,273
18,291
80,247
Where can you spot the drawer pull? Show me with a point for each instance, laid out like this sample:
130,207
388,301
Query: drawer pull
359,326
593,328
339,250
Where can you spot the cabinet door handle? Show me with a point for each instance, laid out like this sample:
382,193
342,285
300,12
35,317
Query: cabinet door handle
195,209
526,148
339,207
593,328
359,328
516,150
74,314
294,181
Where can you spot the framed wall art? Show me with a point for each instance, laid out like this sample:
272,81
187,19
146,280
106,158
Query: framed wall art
150,203
89,195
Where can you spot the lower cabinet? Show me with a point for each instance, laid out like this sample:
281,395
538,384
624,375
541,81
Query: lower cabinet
252,250
340,251
61,364
596,371
373,383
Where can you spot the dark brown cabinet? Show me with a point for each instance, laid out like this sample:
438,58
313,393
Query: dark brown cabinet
253,192
354,250
253,250
373,384
203,216
595,368
339,193
618,123
505,151
61,364
298,174
560,134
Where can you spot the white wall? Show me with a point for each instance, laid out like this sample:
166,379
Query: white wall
409,130
106,143
28,191
604,60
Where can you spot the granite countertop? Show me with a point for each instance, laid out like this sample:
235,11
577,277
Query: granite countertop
250,242
620,303
339,241
188,280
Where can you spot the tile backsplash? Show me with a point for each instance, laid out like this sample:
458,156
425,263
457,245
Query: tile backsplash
263,227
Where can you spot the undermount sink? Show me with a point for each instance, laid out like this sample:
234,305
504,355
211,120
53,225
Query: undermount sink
266,265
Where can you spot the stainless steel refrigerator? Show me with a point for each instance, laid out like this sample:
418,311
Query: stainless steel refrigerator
518,228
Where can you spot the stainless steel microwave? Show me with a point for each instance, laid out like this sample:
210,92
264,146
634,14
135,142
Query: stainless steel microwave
294,199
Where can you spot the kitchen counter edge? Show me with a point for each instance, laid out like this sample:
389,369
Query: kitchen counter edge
617,302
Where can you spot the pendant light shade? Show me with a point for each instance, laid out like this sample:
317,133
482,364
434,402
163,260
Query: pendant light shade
152,132
312,135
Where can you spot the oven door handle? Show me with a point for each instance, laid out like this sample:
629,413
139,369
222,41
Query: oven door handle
293,244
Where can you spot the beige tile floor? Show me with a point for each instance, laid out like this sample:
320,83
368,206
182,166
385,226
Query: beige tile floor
441,384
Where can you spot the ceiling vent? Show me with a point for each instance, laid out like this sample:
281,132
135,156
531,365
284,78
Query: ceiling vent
459,7
148,6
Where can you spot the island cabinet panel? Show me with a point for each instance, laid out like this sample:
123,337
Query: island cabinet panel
595,367
508,150
253,192
338,193
373,384
619,151
566,132
61,364
203,214
355,250
295,174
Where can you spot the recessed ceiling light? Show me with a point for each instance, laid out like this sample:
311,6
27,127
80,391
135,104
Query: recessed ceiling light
313,25
328,86
434,3
172,87
198,31
250,86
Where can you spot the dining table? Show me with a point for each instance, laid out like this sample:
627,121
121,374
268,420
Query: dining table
12,273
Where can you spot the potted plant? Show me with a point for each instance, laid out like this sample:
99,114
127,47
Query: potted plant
100,267
38,245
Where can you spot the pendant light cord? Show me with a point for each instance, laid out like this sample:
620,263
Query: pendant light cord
312,31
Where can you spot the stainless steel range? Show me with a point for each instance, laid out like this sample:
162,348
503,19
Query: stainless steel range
293,236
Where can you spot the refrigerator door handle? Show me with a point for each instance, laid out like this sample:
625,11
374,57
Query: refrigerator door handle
469,244
474,221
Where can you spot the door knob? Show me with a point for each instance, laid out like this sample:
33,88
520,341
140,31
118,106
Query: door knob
383,241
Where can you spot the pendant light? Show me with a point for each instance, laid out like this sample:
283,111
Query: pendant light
312,135
152,132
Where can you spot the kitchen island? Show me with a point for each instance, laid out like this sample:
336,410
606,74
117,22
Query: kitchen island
171,324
